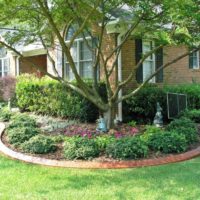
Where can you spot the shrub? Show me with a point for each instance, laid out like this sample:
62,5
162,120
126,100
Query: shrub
5,114
132,123
186,127
127,148
39,144
181,122
194,115
191,90
49,97
142,107
80,148
22,120
149,131
103,141
17,136
58,138
167,142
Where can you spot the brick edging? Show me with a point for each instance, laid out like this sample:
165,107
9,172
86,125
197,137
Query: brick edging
94,164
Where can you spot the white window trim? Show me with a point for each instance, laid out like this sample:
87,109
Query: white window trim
153,59
2,73
197,57
78,41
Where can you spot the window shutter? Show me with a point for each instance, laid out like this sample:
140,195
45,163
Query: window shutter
138,56
159,63
190,61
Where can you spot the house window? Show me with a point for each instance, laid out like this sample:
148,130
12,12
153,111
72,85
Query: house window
149,63
82,56
194,60
4,63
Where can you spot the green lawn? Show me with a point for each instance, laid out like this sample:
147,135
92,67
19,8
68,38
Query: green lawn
25,181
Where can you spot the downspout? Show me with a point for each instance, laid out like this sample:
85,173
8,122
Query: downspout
119,39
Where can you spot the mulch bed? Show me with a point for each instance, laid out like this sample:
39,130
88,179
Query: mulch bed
58,155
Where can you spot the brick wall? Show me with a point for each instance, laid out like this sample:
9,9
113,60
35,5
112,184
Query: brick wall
128,62
109,43
40,60
176,73
179,72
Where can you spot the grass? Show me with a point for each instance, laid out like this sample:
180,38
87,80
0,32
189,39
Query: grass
25,181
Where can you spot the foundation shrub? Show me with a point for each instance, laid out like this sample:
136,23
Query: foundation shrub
50,97
142,106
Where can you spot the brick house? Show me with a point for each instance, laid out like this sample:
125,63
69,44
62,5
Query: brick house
186,70
12,64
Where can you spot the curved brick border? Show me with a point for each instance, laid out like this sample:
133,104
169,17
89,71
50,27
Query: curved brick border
94,164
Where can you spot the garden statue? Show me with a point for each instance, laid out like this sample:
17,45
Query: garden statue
101,125
158,119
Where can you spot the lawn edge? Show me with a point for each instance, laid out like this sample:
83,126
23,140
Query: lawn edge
94,164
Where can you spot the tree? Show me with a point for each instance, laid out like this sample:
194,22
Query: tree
49,21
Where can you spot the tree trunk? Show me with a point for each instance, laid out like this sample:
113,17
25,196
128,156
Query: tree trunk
109,117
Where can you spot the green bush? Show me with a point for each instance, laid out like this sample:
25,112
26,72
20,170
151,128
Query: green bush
186,127
103,141
149,131
127,148
58,138
167,142
5,114
181,122
194,115
50,97
192,91
80,148
142,106
39,144
22,120
19,135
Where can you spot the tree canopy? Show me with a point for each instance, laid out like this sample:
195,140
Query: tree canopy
48,21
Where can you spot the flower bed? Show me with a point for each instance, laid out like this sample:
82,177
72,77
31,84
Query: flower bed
62,139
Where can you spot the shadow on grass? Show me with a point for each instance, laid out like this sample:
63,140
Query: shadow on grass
174,181
169,180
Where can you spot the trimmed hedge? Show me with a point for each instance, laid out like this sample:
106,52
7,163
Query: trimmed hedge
50,97
142,107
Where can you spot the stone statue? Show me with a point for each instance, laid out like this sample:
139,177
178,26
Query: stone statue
158,119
